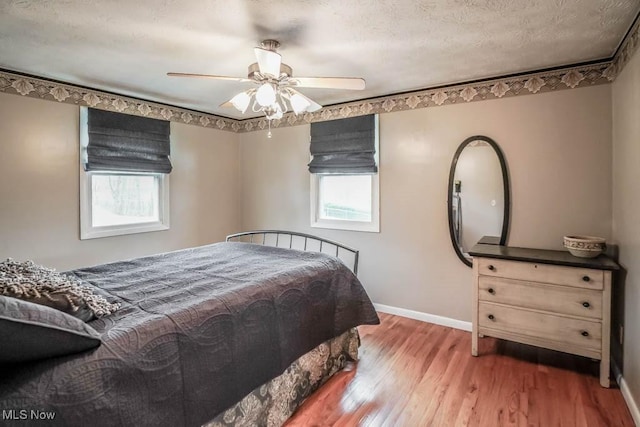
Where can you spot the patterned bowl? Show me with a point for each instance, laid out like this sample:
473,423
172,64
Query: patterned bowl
585,246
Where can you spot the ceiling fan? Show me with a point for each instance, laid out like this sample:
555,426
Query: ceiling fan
276,87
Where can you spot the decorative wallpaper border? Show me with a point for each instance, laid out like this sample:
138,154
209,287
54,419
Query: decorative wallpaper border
627,48
568,78
530,83
69,94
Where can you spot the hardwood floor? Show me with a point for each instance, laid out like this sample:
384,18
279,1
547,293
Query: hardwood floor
412,373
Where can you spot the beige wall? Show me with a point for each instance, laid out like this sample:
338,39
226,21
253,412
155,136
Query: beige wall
626,211
39,173
557,146
558,149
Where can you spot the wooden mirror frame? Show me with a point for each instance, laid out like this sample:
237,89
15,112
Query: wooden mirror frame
506,190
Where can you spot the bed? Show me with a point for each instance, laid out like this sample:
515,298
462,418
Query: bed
234,333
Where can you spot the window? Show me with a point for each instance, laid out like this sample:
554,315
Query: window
345,202
345,197
115,202
344,174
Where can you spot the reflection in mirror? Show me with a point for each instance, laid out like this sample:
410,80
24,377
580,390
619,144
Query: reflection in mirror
478,195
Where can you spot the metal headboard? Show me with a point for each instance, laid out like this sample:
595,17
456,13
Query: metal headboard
260,237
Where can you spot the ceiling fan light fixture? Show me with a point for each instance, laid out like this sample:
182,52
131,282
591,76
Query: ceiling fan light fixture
299,103
241,101
266,95
275,113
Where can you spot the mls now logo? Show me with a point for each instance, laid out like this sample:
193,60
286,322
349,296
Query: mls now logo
27,414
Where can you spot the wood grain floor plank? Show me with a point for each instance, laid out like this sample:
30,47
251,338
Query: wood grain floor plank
415,374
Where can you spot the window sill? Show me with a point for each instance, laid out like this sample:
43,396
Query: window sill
369,227
119,230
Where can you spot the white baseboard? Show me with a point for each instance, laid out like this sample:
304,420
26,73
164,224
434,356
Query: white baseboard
424,317
626,393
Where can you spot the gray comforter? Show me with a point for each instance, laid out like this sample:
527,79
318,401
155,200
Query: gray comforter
198,329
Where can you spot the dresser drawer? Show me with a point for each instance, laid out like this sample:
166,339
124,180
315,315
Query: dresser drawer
545,273
567,330
556,299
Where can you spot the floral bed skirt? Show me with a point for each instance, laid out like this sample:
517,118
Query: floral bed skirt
271,404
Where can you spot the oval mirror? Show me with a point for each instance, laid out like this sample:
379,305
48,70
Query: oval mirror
478,196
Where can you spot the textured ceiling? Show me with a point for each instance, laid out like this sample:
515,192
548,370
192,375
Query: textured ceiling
127,47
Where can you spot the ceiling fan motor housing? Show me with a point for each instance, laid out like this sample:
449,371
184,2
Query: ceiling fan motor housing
255,68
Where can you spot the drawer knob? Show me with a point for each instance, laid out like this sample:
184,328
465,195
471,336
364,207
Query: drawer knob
586,304
586,278
492,268
585,333
491,317
491,291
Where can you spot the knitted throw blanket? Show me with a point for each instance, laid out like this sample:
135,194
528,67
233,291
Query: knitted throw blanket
35,283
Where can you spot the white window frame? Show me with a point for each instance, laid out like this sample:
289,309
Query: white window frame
87,229
372,226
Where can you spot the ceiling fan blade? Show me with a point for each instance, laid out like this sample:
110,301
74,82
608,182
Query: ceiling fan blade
210,76
350,83
268,61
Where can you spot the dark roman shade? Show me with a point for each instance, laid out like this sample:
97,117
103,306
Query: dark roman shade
122,142
344,146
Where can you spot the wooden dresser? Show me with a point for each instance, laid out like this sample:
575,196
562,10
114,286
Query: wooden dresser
544,298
